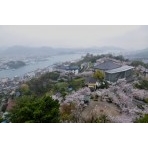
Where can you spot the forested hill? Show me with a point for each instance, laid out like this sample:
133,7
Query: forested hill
141,53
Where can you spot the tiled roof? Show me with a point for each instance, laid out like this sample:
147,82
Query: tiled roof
90,80
107,65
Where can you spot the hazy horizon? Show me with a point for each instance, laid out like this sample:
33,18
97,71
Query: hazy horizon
130,37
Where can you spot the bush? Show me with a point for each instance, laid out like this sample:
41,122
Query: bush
102,119
143,119
146,100
66,112
1,119
77,83
137,63
94,118
104,84
99,75
143,84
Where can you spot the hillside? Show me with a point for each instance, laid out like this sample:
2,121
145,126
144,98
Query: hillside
143,53
137,55
25,51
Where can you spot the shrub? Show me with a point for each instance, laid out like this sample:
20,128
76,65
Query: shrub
99,75
66,112
146,100
143,119
143,84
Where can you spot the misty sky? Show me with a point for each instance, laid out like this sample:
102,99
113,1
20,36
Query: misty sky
128,37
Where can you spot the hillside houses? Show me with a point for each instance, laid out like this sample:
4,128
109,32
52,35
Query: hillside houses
67,69
91,83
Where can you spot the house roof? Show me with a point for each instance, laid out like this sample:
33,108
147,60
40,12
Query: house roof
90,80
120,69
69,67
107,65
72,68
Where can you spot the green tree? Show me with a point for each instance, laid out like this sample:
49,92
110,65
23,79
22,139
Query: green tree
137,63
99,75
103,119
35,110
143,119
1,119
25,89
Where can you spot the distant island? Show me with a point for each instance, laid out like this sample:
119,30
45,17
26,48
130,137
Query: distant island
14,64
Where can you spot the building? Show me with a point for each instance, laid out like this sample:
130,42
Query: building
91,83
73,69
119,73
114,70
68,69
99,61
4,80
106,65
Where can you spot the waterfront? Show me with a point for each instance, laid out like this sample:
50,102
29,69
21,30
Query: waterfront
10,73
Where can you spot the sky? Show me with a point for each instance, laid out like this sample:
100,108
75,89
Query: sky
126,36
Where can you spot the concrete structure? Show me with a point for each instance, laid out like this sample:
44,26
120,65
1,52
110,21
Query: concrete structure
114,70
119,73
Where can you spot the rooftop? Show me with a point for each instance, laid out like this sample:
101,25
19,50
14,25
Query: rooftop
120,69
107,65
63,67
90,80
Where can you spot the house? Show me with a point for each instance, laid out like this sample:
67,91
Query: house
91,83
73,69
68,69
